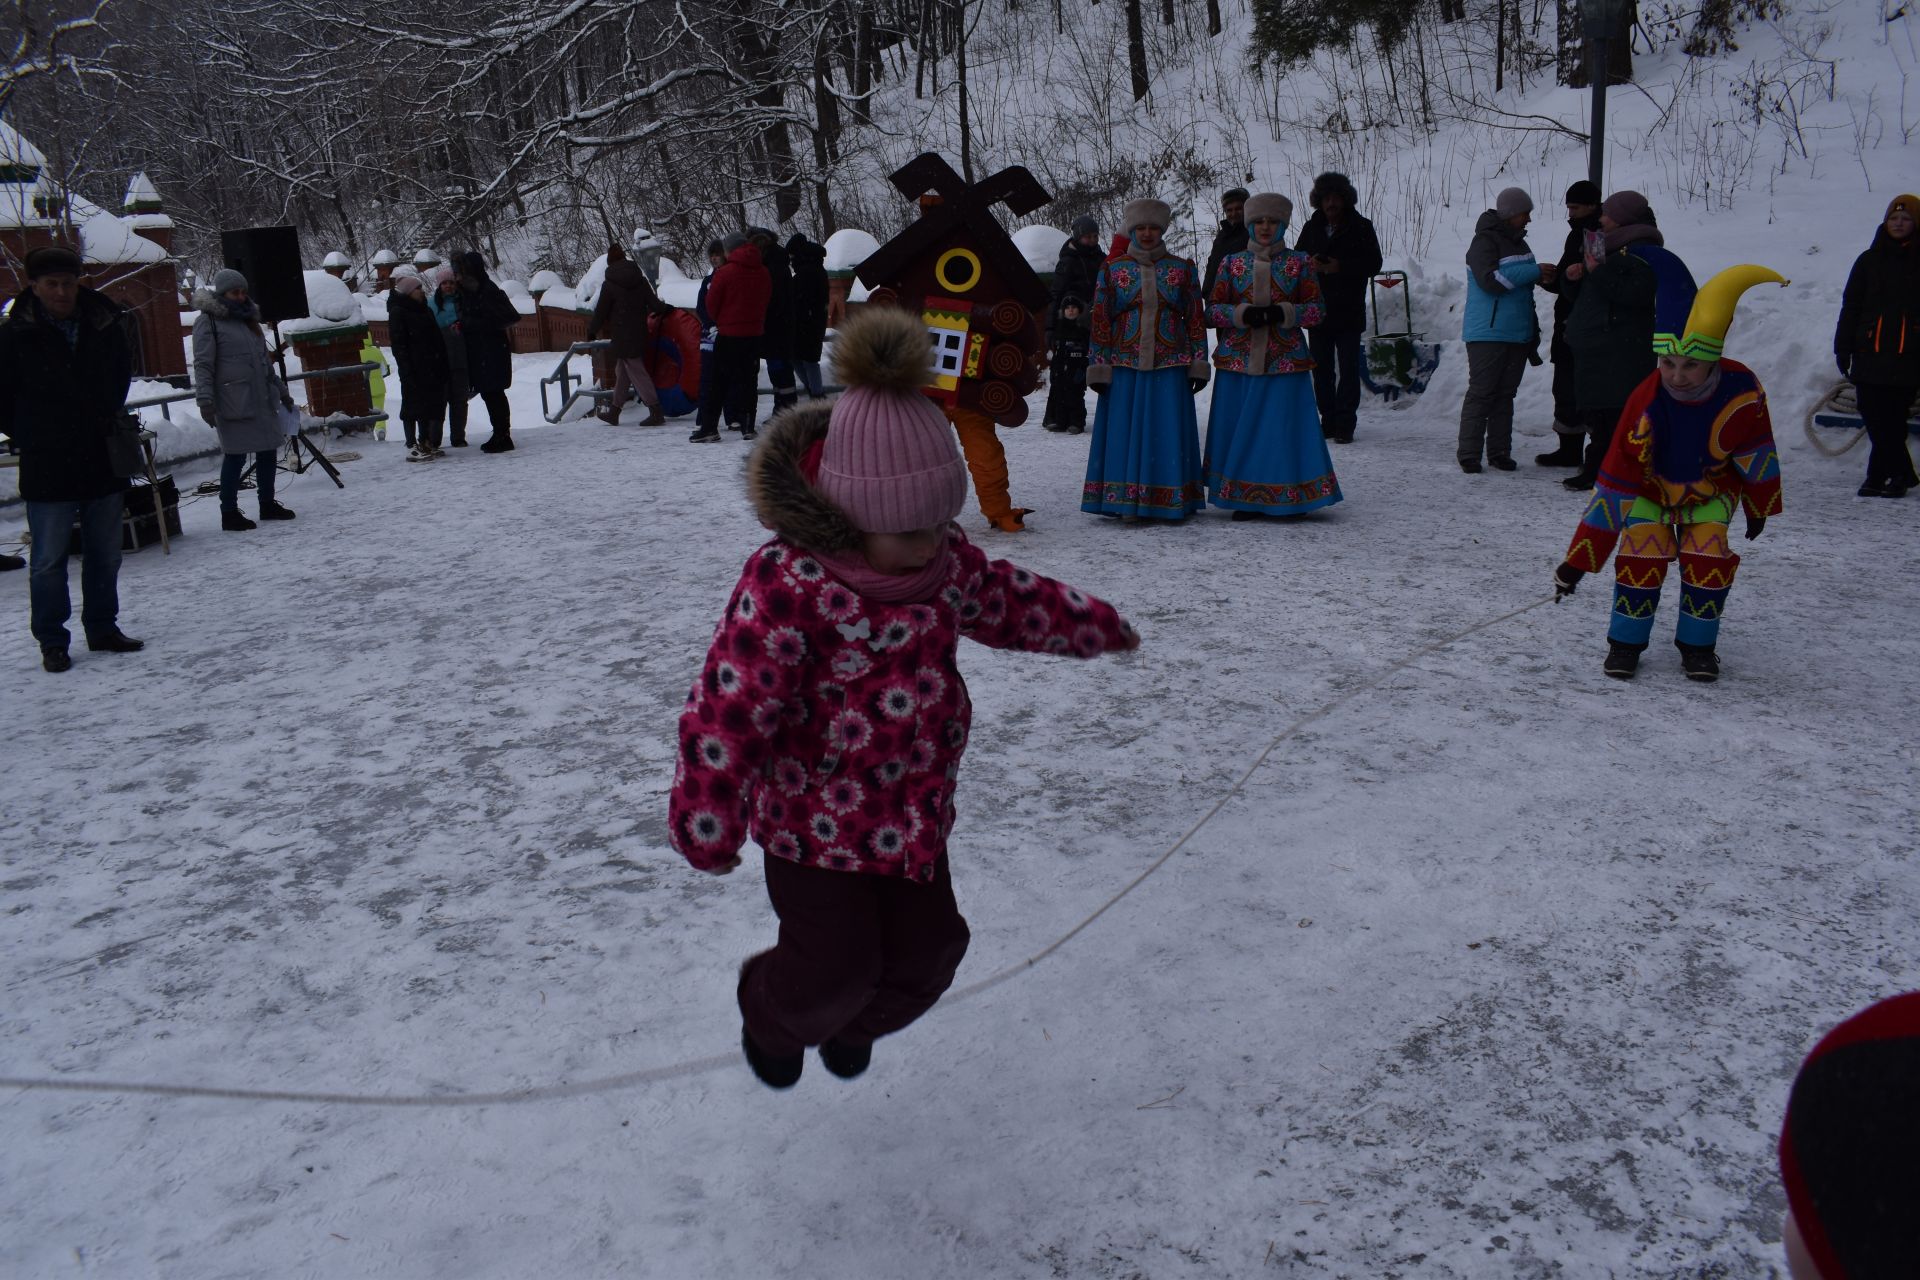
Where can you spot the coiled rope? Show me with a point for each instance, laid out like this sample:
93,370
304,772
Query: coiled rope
700,1066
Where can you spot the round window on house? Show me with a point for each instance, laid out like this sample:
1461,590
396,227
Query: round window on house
957,270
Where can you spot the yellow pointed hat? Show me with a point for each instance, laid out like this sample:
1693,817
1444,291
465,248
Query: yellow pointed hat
1705,334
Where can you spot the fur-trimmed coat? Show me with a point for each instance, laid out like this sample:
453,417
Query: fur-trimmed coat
1147,316
828,726
234,383
1283,349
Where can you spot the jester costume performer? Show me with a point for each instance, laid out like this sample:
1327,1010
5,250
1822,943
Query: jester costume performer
1694,441
1266,454
1147,359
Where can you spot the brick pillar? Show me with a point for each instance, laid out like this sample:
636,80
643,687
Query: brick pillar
329,349
839,284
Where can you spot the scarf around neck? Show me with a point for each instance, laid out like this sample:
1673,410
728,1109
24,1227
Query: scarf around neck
922,584
1149,302
1260,294
1704,394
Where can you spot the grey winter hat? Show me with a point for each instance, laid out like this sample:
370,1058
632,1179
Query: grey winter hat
1146,213
1512,202
735,240
1084,225
226,279
1269,204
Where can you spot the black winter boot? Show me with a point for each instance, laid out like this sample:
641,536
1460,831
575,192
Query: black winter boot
234,522
274,511
498,442
845,1060
776,1071
1699,662
1623,659
1569,454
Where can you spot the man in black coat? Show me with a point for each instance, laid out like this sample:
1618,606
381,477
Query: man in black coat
1346,255
1583,215
65,366
1230,238
626,302
776,342
809,310
420,353
486,315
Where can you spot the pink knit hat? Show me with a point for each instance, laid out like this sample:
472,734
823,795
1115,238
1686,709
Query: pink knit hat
890,460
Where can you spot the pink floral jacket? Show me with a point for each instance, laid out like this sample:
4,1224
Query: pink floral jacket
829,726
1285,349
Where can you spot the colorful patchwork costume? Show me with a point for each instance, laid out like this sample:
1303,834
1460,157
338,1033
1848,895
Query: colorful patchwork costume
1670,481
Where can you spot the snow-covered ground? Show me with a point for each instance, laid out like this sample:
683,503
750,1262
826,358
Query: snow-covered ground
1500,969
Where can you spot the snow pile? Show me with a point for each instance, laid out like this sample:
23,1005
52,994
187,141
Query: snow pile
676,288
335,259
109,241
517,293
384,258
374,306
544,280
561,298
425,258
848,248
587,292
1040,245
330,305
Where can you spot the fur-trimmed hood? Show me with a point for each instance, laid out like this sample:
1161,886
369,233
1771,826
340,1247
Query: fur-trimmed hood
207,301
783,498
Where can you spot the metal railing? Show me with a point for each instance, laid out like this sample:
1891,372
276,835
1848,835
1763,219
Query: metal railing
564,375
148,402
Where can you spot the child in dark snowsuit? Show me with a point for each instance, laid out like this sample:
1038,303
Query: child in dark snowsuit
1067,370
830,716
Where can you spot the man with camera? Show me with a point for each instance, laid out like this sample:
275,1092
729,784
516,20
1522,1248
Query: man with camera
65,366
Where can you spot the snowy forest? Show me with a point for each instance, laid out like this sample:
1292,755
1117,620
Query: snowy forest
534,131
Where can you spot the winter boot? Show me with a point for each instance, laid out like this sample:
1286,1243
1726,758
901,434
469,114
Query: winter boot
498,442
1699,662
705,435
234,522
1569,454
115,641
1502,463
845,1060
12,562
1623,659
274,511
776,1071
1470,465
654,418
55,659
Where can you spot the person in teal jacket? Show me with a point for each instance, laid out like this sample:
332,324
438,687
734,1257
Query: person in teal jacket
1501,331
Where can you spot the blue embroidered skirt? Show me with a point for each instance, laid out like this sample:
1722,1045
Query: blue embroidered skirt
1146,448
1265,451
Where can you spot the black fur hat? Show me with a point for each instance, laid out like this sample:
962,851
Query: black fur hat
1331,183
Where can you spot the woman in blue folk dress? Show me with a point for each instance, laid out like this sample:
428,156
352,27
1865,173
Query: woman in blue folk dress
1266,455
1146,361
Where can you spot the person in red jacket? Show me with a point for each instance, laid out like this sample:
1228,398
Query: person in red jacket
829,718
737,302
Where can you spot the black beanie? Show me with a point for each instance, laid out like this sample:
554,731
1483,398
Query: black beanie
1583,192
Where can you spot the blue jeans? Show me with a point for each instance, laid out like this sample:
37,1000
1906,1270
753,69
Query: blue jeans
234,463
51,524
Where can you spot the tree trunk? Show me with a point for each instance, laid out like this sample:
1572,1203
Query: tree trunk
1137,50
960,74
1213,17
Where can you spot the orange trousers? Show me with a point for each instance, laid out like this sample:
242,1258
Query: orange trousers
987,460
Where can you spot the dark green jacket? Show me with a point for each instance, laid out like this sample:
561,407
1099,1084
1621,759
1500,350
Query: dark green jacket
1610,330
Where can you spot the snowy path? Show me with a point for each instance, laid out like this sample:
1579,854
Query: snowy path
1502,969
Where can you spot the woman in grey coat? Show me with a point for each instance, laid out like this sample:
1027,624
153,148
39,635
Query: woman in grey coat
238,393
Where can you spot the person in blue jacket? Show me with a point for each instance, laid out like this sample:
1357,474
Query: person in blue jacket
1502,332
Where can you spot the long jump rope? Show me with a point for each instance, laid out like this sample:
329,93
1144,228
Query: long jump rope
700,1066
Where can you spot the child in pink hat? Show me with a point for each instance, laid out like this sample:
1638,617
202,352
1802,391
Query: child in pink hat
829,719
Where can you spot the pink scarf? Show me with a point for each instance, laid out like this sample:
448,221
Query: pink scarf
889,588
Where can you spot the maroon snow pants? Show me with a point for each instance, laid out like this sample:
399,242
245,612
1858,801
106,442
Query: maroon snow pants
859,956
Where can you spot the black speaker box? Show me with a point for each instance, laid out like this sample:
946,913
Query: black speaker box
269,257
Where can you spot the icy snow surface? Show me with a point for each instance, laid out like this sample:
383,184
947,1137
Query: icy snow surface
1501,969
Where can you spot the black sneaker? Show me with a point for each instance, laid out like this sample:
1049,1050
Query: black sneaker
1051,425
1077,428
709,436
1470,465
115,641
845,1060
776,1071
1622,659
234,522
749,434
1700,662
54,659
1502,464
274,511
